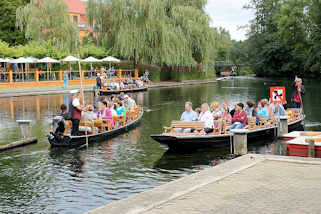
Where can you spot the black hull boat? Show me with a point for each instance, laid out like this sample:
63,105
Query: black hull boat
78,141
194,142
110,92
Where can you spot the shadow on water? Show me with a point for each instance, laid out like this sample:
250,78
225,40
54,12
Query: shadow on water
71,158
192,160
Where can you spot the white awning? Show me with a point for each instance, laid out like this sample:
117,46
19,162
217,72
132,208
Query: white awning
70,59
48,60
91,59
21,60
110,59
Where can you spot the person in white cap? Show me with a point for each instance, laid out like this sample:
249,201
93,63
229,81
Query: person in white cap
130,103
298,92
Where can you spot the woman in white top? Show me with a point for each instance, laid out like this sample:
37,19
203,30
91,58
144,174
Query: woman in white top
111,107
206,117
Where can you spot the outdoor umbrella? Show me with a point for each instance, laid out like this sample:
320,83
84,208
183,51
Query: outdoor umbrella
34,60
48,60
70,59
5,61
110,59
91,60
21,60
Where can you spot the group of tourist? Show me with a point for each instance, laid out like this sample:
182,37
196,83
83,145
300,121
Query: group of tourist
237,118
108,108
119,84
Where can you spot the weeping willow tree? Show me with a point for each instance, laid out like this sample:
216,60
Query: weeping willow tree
162,32
48,20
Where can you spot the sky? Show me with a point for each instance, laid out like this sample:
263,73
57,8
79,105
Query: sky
230,15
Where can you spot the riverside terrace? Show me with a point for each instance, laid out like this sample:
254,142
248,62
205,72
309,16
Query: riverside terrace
25,76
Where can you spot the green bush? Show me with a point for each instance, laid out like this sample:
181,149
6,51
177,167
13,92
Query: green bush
245,72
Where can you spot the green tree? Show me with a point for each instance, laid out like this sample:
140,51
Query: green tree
48,20
8,31
222,44
293,25
239,53
163,32
267,51
313,61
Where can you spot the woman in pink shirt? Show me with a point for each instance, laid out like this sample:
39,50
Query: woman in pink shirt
107,114
227,116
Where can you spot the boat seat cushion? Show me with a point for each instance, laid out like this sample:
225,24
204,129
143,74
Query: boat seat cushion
85,129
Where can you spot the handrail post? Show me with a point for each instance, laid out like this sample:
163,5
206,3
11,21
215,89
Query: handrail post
136,74
60,75
283,126
119,75
10,78
82,75
37,76
240,141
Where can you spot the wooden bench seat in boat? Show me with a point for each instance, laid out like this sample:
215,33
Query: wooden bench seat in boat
176,124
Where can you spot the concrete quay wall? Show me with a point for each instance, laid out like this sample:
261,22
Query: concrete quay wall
273,183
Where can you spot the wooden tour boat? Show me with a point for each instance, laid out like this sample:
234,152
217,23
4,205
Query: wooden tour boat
221,137
104,131
106,92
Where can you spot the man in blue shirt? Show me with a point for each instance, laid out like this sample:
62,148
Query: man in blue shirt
188,116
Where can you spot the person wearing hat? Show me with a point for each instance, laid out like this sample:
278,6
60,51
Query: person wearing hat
239,119
88,115
98,81
216,111
298,92
130,103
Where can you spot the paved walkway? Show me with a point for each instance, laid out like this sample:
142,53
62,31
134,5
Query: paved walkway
249,184
16,92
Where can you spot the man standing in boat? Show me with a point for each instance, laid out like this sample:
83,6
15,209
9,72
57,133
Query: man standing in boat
98,81
188,116
298,92
75,111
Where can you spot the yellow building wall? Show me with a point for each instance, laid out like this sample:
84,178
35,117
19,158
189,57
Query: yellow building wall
82,33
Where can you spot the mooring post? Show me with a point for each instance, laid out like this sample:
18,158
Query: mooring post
283,126
310,142
25,128
240,141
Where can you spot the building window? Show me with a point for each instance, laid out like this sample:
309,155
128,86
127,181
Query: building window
75,19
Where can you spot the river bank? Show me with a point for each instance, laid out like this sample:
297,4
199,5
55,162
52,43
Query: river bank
248,184
18,92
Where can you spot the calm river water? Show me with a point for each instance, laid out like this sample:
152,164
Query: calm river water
38,179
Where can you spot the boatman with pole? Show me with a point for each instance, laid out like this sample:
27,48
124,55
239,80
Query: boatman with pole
298,92
75,109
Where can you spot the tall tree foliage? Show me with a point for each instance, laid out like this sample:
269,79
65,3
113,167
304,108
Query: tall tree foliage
284,37
163,32
8,31
48,20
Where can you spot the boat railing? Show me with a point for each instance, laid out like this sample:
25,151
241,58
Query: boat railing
103,125
221,128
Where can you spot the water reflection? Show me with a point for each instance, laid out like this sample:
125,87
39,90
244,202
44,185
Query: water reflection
38,179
